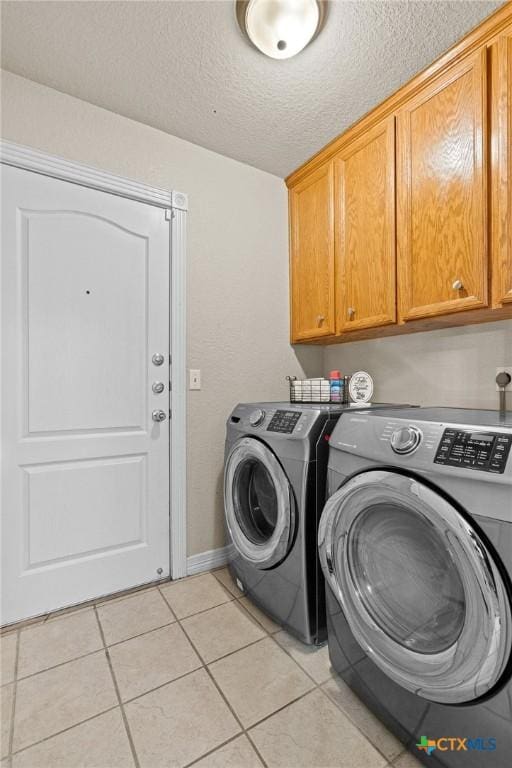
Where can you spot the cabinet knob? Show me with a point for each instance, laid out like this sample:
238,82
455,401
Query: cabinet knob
320,319
457,285
351,312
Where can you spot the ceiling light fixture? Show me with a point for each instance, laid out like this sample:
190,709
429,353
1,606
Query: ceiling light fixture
280,28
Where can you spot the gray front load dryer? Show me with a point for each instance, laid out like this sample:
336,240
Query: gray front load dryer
274,492
415,541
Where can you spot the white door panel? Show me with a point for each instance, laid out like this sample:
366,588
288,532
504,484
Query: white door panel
103,294
85,295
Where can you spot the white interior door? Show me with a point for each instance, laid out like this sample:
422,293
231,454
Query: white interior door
85,306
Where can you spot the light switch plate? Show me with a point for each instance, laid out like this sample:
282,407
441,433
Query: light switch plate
505,369
194,378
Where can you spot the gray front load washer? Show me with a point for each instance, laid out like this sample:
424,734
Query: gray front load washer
274,492
415,542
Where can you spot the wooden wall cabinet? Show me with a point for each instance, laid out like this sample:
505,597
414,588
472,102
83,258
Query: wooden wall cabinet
312,255
364,184
501,168
404,222
442,194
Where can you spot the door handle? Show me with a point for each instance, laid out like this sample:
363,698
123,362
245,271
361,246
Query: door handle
158,415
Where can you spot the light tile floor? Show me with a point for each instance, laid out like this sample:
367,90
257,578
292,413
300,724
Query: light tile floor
179,674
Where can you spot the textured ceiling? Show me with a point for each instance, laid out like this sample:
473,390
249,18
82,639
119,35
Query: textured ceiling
185,68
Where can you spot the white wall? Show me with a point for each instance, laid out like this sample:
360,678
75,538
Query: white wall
237,266
453,366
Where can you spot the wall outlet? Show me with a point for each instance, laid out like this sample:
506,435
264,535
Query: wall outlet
194,379
506,369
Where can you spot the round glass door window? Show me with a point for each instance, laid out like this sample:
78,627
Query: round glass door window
418,586
258,502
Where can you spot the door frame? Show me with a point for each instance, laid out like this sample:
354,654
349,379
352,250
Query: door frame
175,205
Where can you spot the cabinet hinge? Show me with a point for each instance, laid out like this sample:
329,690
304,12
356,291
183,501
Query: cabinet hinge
169,214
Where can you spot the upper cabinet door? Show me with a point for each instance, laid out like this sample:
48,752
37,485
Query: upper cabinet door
364,185
501,170
312,255
441,192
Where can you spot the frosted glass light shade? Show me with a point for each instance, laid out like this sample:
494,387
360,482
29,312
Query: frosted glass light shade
281,28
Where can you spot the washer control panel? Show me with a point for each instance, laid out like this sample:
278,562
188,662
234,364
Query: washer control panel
284,421
485,451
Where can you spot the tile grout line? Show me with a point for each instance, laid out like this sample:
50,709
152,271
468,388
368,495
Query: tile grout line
215,749
236,596
14,695
320,687
118,694
219,690
141,634
96,650
247,611
317,686
64,730
61,613
245,731
356,726
58,613
296,662
198,613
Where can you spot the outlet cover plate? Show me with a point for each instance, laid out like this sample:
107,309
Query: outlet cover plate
194,378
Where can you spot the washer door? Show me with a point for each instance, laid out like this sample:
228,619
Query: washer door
418,587
258,501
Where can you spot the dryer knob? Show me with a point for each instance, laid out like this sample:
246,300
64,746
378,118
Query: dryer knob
405,439
256,417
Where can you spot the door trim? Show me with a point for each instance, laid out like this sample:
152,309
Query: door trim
177,202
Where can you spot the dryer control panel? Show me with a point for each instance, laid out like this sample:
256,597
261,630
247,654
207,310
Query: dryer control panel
484,451
284,421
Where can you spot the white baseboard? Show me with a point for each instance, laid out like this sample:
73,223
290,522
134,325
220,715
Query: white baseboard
205,561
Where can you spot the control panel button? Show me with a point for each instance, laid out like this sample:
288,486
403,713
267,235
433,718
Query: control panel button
256,417
405,439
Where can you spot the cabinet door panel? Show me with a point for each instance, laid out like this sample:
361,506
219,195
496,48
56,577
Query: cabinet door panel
365,230
501,170
442,216
312,255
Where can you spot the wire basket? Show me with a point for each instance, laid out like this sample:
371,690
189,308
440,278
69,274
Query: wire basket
317,390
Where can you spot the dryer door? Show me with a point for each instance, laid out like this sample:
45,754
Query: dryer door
258,501
419,588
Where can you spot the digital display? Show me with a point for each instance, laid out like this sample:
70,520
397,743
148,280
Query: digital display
481,438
